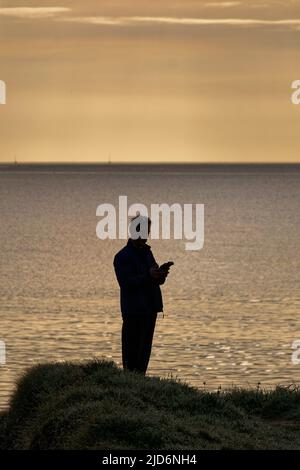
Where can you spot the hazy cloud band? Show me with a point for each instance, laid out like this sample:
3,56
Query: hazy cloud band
134,20
32,12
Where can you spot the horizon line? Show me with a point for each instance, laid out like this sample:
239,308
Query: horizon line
150,162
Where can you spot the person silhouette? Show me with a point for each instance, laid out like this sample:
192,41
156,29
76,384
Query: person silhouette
139,278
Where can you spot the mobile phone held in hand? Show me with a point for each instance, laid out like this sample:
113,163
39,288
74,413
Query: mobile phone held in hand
166,266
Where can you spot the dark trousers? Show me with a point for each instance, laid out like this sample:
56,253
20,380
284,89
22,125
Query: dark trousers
137,336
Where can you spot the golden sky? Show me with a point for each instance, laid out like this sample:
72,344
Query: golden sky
141,80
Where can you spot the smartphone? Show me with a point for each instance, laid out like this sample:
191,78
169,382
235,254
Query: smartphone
166,266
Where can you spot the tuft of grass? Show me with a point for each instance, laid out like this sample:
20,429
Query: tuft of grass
97,405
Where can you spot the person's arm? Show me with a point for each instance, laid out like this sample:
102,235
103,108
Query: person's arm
159,277
125,276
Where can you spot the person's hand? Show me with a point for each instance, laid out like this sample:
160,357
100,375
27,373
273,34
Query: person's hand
158,274
155,272
164,271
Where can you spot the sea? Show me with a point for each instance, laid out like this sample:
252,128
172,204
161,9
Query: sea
231,309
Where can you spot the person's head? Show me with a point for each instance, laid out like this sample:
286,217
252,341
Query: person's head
139,228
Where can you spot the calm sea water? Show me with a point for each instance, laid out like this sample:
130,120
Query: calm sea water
231,309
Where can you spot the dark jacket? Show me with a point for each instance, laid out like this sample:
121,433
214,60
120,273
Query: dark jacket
140,293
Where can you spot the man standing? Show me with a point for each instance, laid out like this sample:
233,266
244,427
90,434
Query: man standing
139,278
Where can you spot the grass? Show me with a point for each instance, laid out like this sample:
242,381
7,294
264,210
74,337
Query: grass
97,405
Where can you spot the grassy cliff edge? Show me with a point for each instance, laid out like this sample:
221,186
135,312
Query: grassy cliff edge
97,405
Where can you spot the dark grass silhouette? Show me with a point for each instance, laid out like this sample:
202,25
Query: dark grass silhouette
97,405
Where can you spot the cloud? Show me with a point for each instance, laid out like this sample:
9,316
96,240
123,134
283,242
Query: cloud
32,12
222,4
57,13
135,20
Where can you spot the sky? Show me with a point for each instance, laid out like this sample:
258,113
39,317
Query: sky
140,80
